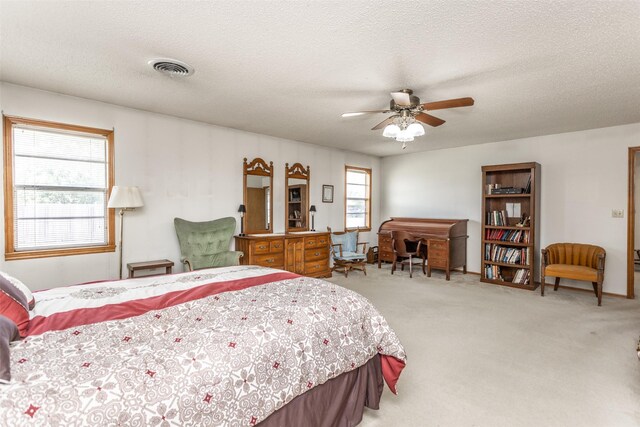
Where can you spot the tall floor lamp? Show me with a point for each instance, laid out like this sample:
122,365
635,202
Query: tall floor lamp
125,199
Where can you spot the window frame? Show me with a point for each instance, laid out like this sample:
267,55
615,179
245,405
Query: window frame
10,252
347,168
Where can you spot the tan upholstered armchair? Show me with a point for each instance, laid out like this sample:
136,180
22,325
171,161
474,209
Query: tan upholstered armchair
574,261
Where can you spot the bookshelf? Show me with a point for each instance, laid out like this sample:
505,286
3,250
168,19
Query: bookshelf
510,227
296,206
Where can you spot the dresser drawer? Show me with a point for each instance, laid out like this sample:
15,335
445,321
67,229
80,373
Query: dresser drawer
316,242
315,254
261,247
276,246
315,266
270,260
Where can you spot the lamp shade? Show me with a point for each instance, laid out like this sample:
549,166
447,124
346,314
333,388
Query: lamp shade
391,131
242,209
415,129
125,197
312,208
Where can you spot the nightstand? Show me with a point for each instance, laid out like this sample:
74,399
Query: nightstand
150,265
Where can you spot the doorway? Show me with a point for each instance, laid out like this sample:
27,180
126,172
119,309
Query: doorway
633,223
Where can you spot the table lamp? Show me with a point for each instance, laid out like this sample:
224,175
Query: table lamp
313,211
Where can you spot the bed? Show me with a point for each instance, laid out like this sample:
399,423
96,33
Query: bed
234,346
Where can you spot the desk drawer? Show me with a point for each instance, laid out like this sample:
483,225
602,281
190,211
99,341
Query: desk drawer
261,247
315,254
438,245
316,242
386,256
270,260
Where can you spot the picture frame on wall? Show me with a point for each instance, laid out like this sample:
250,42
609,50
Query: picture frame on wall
327,194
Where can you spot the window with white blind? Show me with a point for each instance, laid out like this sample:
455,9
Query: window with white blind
358,198
57,182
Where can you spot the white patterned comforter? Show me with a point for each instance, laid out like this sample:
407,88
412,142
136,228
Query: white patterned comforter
214,347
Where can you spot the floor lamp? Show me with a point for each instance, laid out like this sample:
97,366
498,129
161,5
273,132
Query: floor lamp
125,199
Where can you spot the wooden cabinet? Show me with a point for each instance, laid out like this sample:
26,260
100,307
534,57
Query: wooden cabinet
510,227
302,253
294,258
446,241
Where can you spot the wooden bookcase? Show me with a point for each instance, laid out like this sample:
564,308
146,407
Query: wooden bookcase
296,206
510,243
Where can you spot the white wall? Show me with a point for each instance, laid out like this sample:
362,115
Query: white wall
185,169
584,176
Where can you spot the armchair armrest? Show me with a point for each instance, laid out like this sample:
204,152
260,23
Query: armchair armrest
544,258
601,259
187,263
364,246
339,247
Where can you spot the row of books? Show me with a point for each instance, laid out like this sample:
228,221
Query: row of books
493,272
497,253
497,218
521,276
516,236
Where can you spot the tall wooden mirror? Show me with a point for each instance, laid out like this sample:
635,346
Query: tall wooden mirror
258,196
296,190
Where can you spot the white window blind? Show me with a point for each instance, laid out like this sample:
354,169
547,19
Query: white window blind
358,198
60,184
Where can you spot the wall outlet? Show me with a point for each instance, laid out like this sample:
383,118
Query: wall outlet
617,213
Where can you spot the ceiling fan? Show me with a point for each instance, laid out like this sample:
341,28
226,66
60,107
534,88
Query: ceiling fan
407,111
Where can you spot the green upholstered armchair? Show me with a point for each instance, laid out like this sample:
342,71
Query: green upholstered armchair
206,244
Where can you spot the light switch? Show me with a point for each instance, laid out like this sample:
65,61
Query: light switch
617,213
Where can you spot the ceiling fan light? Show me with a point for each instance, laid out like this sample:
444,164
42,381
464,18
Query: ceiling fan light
404,136
391,131
415,129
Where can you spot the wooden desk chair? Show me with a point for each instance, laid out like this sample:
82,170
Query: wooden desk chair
346,252
407,250
574,261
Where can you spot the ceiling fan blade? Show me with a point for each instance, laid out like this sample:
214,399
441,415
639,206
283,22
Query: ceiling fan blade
360,113
384,123
429,119
401,98
449,103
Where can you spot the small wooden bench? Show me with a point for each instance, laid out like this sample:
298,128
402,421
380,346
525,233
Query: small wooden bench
150,265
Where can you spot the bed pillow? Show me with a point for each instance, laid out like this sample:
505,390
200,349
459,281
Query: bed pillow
22,287
8,333
13,304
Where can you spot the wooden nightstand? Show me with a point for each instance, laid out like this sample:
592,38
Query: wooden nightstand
150,265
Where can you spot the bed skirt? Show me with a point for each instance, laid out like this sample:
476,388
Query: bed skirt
339,402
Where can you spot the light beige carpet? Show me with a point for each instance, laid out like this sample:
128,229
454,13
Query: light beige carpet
486,355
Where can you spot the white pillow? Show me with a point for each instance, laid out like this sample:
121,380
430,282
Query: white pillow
22,288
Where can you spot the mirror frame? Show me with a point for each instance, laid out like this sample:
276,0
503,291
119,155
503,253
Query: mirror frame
296,171
257,167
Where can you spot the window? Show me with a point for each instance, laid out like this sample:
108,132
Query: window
358,198
57,182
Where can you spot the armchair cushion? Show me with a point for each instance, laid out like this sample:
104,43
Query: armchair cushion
575,272
350,256
348,241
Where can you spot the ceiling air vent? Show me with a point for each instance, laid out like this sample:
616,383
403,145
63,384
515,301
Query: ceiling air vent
172,67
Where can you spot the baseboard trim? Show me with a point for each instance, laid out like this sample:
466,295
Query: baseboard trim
571,288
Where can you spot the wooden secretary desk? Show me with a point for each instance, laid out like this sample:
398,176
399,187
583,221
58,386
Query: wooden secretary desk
305,253
446,241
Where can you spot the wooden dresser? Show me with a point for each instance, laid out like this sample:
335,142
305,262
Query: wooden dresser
304,253
446,241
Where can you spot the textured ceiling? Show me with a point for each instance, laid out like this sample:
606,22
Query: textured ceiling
289,69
